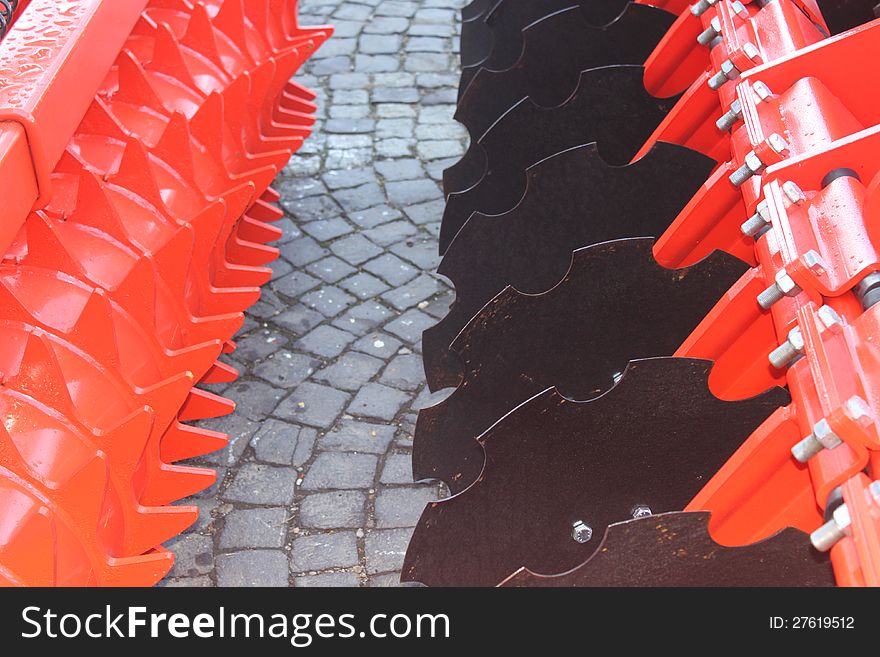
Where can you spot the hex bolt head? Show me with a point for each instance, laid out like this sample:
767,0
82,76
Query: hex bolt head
751,51
762,91
857,410
829,318
825,538
581,532
731,117
814,262
783,287
794,195
758,221
641,511
778,144
708,35
739,9
728,72
823,437
785,353
701,7
751,165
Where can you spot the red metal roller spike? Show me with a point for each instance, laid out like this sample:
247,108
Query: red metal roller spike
129,278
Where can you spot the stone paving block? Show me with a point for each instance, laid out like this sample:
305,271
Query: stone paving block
377,401
301,252
402,507
312,207
324,551
355,436
335,470
187,582
327,580
422,253
379,44
364,286
386,580
409,192
385,549
440,148
258,345
377,63
327,229
298,319
253,568
285,369
413,293
391,268
313,404
283,443
346,178
363,318
410,325
386,25
349,126
378,344
394,94
254,399
405,372
403,169
360,198
355,249
325,341
375,216
397,469
387,234
254,528
351,371
331,269
195,555
295,284
255,483
328,300
422,213
333,510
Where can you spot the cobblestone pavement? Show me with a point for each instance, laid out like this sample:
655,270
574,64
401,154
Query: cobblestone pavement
315,487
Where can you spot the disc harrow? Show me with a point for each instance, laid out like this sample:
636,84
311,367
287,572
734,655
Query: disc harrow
134,238
664,338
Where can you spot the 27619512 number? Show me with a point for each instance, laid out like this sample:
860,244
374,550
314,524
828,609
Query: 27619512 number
812,623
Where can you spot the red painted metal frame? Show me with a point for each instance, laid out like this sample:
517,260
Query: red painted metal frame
50,65
822,236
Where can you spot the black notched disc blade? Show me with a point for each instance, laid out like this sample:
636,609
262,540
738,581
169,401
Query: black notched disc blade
655,439
476,9
843,15
573,199
675,549
610,107
496,41
554,52
615,304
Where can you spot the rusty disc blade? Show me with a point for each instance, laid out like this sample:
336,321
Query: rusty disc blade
610,107
573,199
654,439
615,304
675,549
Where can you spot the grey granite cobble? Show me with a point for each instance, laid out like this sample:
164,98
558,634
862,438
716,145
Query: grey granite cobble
315,486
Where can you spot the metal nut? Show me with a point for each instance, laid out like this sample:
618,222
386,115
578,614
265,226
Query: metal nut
751,51
857,410
581,532
814,262
793,194
829,317
762,91
778,143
